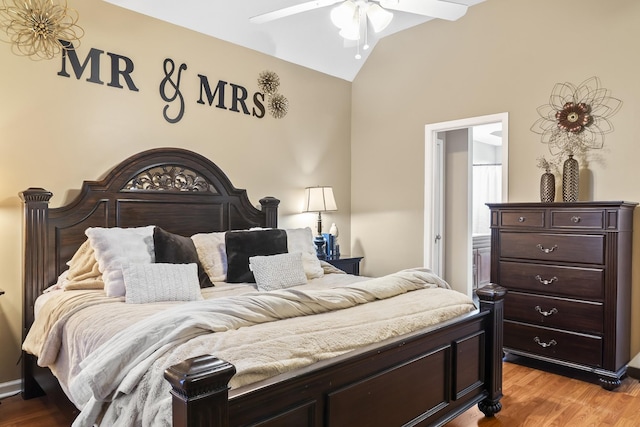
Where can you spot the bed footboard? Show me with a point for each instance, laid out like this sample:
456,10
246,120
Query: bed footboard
427,379
200,391
492,299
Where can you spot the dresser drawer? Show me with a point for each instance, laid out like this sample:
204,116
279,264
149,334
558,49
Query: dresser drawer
553,343
575,248
573,282
577,219
573,315
524,218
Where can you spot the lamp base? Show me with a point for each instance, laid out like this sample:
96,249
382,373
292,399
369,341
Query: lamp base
320,244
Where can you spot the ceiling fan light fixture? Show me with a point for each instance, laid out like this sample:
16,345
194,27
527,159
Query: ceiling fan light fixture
379,18
351,32
344,14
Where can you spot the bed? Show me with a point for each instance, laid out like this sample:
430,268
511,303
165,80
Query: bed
424,377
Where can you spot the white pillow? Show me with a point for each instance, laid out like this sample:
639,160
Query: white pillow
161,282
278,271
115,247
301,240
212,254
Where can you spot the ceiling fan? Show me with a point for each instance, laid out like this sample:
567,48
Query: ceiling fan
433,8
353,17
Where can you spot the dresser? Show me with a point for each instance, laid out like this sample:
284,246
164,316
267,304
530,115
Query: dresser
567,269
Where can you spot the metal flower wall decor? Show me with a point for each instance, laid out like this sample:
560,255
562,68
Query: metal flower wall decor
576,119
35,27
277,104
268,82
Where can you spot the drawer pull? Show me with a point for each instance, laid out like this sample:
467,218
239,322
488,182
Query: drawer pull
545,281
521,219
545,344
547,250
546,313
575,219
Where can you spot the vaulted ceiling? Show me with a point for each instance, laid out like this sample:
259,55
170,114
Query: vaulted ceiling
309,39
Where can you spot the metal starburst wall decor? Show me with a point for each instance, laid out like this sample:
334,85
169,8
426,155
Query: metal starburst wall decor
277,104
37,28
268,82
576,119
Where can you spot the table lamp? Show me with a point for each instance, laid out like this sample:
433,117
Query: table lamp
319,199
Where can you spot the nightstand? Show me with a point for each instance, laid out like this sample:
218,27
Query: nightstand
350,265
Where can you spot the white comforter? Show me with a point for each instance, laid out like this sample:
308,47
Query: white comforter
311,326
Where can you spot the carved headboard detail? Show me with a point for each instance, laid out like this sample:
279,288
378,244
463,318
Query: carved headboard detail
169,178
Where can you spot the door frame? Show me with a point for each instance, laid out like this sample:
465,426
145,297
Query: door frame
434,181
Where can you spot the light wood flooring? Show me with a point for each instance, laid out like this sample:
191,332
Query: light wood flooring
532,397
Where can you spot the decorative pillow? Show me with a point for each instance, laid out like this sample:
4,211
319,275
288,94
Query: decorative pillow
278,271
301,240
84,272
241,245
161,282
212,254
115,247
175,249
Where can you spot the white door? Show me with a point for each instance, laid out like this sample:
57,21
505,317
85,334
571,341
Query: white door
455,210
450,255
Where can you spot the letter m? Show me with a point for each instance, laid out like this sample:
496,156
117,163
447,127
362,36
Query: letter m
93,58
205,90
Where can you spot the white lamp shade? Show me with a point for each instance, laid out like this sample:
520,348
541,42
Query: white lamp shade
351,33
344,14
319,199
350,17
378,17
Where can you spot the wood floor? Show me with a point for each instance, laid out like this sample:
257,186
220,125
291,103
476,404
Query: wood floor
532,397
536,398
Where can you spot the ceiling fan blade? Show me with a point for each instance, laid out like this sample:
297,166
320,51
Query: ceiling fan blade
292,10
434,8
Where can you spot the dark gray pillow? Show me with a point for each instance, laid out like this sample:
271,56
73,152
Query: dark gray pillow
175,249
244,244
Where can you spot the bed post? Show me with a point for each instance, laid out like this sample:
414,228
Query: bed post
36,216
270,208
200,389
492,299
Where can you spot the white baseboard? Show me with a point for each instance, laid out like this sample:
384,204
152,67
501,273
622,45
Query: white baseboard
10,388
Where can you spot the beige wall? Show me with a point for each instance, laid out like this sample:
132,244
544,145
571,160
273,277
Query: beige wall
503,56
56,131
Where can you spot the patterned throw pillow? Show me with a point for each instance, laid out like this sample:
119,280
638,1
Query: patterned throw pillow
161,282
278,271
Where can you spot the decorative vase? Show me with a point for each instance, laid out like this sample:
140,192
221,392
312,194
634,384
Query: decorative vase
334,230
570,179
335,251
547,187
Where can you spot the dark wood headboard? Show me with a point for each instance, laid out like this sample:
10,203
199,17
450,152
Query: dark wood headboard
176,189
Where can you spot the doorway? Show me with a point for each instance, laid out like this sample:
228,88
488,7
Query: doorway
449,218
